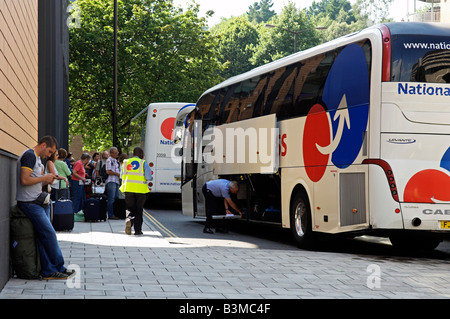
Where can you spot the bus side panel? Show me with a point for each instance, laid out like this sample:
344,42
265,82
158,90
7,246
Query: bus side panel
291,164
291,183
338,199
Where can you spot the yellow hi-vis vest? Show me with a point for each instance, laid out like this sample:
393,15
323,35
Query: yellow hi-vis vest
133,177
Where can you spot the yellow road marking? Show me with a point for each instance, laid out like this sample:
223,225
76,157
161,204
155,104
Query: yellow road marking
160,226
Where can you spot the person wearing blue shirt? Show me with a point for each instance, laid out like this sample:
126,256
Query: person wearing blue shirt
218,200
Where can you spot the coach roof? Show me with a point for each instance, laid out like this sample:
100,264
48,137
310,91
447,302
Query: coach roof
396,28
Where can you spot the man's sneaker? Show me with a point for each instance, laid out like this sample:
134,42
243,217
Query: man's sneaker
128,227
69,273
57,276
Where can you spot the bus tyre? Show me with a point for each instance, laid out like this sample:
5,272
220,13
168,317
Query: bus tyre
301,221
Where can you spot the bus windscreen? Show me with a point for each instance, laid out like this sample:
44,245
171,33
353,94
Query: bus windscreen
420,59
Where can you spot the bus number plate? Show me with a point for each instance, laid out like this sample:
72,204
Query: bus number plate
445,224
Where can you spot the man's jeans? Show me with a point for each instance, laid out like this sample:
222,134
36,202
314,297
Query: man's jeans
112,190
52,259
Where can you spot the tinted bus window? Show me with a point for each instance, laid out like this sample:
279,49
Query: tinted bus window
311,80
290,91
420,59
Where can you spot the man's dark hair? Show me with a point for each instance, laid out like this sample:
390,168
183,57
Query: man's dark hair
50,141
139,152
85,156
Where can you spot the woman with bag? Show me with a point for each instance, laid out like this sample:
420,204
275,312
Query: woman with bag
65,172
56,185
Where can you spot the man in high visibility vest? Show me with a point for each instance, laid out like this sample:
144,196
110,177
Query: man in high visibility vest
135,175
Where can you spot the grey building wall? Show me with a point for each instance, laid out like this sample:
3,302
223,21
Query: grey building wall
54,70
7,196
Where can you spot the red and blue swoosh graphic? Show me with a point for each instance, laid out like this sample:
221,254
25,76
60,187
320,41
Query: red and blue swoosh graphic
430,185
338,133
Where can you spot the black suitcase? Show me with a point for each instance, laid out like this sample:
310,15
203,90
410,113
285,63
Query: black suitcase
103,205
95,208
63,218
120,208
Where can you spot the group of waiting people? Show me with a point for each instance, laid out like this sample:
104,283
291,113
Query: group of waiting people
73,176
86,170
33,176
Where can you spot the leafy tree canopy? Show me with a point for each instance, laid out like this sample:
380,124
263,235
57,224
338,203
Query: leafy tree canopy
260,11
165,54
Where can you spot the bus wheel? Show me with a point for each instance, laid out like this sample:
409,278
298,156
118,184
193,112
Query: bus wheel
301,220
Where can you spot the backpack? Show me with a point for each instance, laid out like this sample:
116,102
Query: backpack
25,256
102,172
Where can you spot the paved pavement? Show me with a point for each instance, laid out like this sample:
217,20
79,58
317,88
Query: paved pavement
111,264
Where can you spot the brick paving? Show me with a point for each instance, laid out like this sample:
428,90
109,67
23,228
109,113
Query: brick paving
113,265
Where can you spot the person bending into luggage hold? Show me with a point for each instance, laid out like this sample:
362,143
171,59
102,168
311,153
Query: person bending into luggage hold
217,202
30,179
135,176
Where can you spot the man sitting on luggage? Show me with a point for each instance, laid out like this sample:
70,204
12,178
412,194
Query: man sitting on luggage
218,200
33,202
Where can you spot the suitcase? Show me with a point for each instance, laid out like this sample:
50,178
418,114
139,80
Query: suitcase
63,218
95,208
103,205
120,208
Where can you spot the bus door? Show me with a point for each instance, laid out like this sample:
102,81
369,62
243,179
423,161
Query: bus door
189,171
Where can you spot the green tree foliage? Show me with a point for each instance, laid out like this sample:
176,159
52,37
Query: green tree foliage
341,18
332,9
375,10
165,54
278,42
237,40
261,11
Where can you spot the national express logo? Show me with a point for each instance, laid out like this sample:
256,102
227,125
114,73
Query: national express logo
167,131
339,133
430,185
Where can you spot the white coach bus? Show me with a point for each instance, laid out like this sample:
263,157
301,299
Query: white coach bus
152,129
352,136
